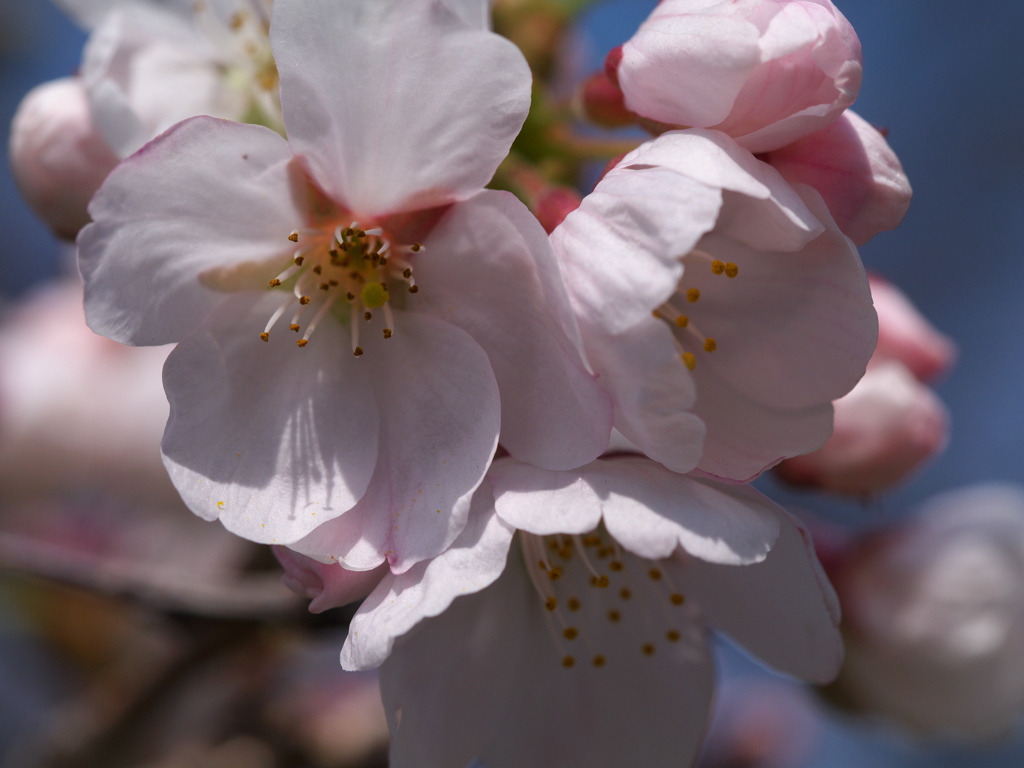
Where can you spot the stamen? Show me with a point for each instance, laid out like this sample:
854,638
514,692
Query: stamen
273,319
693,295
689,360
717,267
314,322
731,270
710,345
294,236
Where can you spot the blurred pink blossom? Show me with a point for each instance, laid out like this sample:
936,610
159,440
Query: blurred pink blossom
766,72
58,157
904,334
934,617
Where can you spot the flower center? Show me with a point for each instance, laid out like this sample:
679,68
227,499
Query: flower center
595,597
678,311
351,271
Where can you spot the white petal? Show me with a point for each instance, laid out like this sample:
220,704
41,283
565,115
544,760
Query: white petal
745,437
783,610
491,664
474,560
652,391
620,249
488,269
396,104
439,412
651,511
648,509
793,330
206,196
475,13
272,439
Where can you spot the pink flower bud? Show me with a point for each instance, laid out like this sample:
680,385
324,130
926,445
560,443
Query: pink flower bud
327,585
905,335
766,72
885,428
58,158
933,617
553,205
602,102
855,170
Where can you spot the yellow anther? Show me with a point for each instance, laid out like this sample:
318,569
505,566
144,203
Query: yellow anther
407,273
298,260
648,649
367,316
601,582
568,662
591,540
731,270
689,360
625,594
603,552
325,286
573,604
265,336
274,283
570,633
414,289
682,321
655,574
416,248
388,333
555,573
318,270
614,616
357,351
677,599
693,294
294,237
672,636
551,603
718,267
710,345
615,565
304,300
302,342
598,661
294,327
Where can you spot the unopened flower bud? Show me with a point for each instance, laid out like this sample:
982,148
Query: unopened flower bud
327,585
766,72
905,335
855,170
58,158
885,428
554,204
602,103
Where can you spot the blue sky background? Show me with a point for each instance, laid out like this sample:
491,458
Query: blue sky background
945,77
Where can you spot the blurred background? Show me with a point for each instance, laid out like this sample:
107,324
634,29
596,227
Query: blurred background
943,76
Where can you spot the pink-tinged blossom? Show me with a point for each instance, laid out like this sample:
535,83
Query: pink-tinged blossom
853,167
582,637
885,429
906,336
356,316
934,617
766,72
58,158
761,309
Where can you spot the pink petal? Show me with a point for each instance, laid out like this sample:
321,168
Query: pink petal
473,562
488,268
396,105
439,420
782,610
327,585
272,439
855,170
793,330
205,197
518,705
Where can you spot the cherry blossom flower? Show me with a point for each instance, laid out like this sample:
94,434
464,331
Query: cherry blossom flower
761,309
855,170
58,158
591,618
381,412
935,617
766,72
